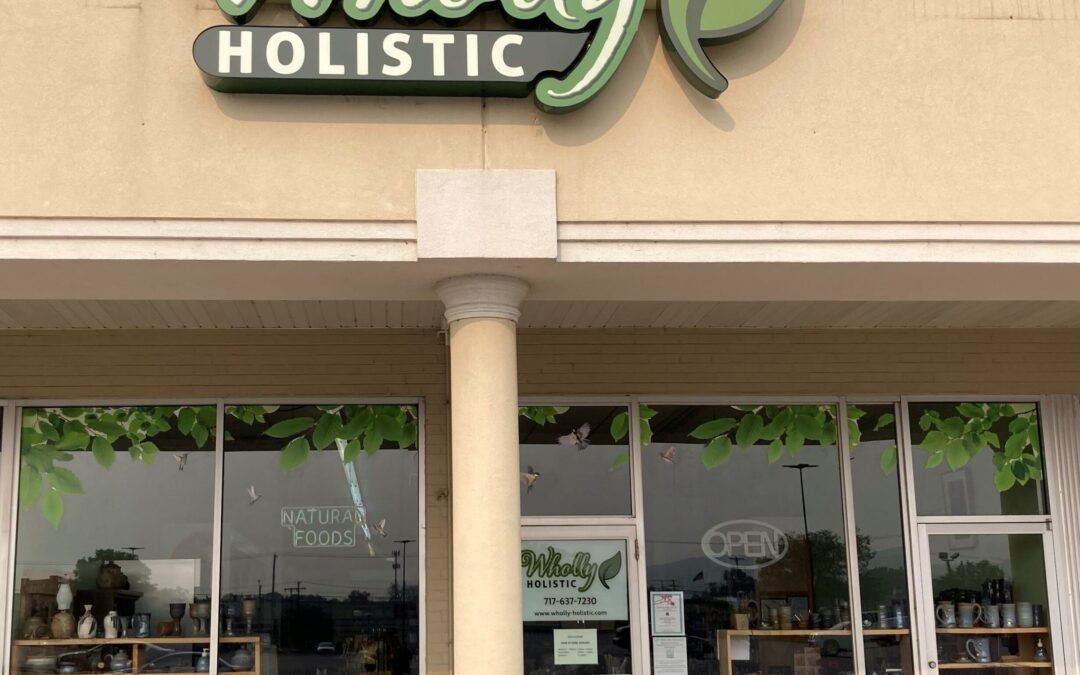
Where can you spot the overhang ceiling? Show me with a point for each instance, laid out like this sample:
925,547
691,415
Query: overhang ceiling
330,314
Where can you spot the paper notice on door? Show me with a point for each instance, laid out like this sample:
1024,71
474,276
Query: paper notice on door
575,647
667,612
669,656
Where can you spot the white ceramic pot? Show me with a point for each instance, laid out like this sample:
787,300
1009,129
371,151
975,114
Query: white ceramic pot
64,597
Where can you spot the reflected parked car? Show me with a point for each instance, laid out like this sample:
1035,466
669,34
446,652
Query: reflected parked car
325,648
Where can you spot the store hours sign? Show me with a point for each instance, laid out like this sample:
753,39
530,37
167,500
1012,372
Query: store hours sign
564,51
574,580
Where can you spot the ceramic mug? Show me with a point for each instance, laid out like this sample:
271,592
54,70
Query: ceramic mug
1008,615
968,613
992,616
978,649
140,625
1024,615
785,617
1037,615
946,614
899,617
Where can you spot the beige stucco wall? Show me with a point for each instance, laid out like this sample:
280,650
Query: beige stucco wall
885,110
127,365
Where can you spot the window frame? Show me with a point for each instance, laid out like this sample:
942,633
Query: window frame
910,519
9,507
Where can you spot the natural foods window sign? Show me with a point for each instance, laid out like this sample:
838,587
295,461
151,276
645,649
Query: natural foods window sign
563,50
574,580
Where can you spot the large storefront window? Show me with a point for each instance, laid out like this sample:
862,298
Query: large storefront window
114,538
319,538
115,549
744,515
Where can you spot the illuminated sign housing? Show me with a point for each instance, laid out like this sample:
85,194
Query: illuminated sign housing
565,51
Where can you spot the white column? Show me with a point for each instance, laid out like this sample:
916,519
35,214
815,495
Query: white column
1061,438
482,312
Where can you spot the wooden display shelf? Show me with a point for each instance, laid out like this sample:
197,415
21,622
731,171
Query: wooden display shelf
168,640
881,632
1038,630
995,664
138,648
795,632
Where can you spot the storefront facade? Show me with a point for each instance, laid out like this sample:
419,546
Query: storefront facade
784,382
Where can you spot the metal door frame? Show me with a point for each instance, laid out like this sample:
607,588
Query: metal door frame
925,624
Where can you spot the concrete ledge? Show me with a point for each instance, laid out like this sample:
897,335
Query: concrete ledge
486,214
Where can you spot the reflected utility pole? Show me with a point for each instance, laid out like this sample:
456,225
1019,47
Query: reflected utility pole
396,565
404,585
806,528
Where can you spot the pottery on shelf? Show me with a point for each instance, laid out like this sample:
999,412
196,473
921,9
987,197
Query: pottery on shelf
33,627
62,626
112,625
176,611
87,624
120,662
242,659
64,597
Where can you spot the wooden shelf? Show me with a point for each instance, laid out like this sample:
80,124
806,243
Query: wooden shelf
756,632
1038,630
879,632
169,640
140,649
995,664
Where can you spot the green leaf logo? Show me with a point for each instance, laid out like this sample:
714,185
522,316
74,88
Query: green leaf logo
240,11
686,25
609,569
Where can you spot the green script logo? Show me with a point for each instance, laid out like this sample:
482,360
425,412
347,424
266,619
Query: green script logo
547,570
564,67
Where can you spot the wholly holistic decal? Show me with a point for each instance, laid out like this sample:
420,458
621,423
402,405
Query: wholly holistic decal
565,50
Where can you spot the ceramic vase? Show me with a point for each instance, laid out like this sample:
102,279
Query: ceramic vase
87,624
112,625
62,626
64,597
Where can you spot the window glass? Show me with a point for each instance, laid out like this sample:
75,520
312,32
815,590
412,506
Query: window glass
320,524
980,459
990,600
576,607
743,513
879,525
575,461
114,537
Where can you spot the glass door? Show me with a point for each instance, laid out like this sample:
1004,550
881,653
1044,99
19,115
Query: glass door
580,588
988,598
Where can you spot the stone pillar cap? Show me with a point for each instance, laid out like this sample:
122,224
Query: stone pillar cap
482,296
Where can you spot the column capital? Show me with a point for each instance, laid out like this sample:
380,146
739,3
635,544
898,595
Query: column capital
482,296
